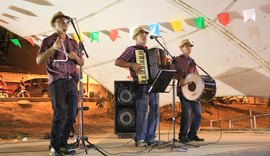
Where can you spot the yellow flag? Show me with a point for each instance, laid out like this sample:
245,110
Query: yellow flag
176,25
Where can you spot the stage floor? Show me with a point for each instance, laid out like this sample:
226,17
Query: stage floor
231,143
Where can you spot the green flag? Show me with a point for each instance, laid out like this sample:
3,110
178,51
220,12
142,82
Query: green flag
16,42
94,36
199,21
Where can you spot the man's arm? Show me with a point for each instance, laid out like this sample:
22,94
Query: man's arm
124,64
74,56
44,56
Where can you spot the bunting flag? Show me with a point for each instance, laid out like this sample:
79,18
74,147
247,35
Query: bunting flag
176,25
224,18
113,34
154,29
249,14
199,22
94,36
31,41
16,42
76,38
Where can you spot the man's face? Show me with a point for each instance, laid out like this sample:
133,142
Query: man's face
186,49
141,38
60,24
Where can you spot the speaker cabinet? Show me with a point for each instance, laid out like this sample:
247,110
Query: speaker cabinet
125,109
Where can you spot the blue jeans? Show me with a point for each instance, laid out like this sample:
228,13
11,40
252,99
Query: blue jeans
146,120
188,106
64,97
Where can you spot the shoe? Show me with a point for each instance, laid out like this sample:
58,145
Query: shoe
54,152
73,145
67,151
140,143
151,142
183,140
196,138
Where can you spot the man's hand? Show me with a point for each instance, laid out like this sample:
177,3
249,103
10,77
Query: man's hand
57,44
182,82
73,55
137,68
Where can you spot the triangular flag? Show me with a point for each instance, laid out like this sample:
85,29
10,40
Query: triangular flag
224,18
249,14
199,21
31,41
16,42
113,34
76,38
94,36
154,29
176,25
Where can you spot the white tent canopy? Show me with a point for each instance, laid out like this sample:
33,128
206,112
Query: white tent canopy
236,55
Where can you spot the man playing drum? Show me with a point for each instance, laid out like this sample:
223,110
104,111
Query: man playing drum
188,132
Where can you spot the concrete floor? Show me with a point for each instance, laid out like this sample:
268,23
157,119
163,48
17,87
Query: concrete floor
227,143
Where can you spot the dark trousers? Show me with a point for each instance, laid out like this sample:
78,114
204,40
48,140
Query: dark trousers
64,97
187,129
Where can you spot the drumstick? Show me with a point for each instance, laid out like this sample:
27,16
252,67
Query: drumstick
187,83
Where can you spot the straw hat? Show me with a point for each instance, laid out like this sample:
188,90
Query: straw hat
137,31
59,14
185,42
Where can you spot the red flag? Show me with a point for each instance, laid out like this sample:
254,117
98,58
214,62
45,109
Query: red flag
113,34
224,18
31,41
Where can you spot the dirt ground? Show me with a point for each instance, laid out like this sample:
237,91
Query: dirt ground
33,119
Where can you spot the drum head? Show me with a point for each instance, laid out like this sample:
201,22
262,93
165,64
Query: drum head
193,88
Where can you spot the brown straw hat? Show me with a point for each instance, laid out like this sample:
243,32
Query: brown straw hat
137,31
57,15
185,42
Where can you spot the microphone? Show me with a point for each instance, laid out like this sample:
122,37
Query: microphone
68,20
154,37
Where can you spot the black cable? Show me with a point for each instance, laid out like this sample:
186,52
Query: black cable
198,145
129,153
118,146
220,130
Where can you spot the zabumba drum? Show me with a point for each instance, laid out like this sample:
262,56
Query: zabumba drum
199,87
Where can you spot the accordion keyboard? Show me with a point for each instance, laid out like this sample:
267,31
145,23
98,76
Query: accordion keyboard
142,60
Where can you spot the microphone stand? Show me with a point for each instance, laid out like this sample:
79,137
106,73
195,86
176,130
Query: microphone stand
178,66
82,137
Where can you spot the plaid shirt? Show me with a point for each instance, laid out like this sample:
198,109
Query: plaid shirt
187,64
129,56
63,69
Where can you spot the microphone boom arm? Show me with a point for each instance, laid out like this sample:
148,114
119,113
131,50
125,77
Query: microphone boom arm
178,66
80,41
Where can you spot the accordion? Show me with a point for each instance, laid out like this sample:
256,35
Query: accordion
152,61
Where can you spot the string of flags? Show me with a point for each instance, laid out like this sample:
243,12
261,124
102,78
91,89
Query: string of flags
223,18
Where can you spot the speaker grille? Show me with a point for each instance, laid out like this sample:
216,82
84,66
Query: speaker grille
125,96
125,108
126,118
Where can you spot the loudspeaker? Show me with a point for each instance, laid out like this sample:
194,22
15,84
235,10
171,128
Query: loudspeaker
125,109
